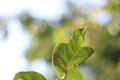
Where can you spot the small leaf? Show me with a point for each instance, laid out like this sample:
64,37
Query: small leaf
73,74
30,75
67,55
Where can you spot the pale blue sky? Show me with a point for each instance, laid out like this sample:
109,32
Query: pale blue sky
49,9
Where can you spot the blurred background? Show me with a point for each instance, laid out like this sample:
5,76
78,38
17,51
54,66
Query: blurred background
30,29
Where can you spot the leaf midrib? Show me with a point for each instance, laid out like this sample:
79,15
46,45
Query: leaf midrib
67,65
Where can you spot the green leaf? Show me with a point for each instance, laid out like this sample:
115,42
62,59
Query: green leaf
30,75
67,55
73,74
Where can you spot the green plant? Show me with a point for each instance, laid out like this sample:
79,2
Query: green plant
65,58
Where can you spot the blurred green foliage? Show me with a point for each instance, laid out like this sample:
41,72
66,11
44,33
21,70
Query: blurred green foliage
104,39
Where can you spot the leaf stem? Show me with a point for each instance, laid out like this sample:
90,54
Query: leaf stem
84,30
